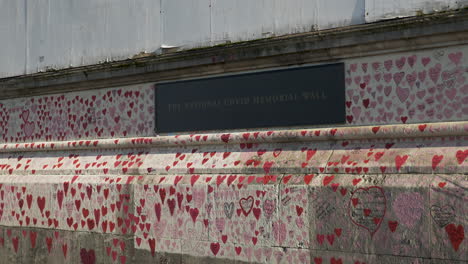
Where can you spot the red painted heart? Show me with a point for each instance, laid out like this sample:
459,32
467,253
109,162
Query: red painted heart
367,208
456,235
87,256
246,205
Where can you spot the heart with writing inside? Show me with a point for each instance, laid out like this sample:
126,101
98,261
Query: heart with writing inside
246,205
228,209
367,208
442,215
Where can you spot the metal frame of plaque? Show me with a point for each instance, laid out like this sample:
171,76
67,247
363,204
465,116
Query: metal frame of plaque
299,96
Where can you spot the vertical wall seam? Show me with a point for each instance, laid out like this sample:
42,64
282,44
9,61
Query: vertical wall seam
211,21
161,24
26,46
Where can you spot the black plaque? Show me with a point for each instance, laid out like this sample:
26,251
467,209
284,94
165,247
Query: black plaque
291,97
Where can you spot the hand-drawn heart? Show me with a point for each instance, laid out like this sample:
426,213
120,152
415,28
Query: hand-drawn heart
408,208
246,205
267,166
214,248
400,161
368,208
451,93
400,62
225,137
461,156
229,209
425,61
397,77
87,256
392,225
442,215
411,78
152,244
28,128
455,57
269,207
157,209
310,153
171,203
60,198
434,72
220,223
279,231
387,90
277,152
25,115
456,235
64,250
41,203
15,241
402,93
194,214
336,261
1,210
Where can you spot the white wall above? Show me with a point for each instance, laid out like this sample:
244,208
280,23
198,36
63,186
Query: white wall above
384,9
40,35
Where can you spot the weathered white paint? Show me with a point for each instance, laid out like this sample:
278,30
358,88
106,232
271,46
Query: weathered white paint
384,9
338,13
12,38
39,35
211,22
186,22
234,20
52,34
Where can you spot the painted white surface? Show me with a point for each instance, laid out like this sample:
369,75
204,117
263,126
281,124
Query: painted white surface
12,38
338,13
38,35
186,22
211,22
234,20
385,9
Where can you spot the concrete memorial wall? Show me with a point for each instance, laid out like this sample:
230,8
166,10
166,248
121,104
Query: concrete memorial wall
85,179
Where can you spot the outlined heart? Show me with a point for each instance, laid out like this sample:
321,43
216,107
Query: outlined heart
246,205
229,209
367,208
442,215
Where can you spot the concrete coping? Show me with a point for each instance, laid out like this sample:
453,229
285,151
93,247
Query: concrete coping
401,131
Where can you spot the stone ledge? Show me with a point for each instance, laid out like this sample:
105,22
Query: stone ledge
338,133
377,156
